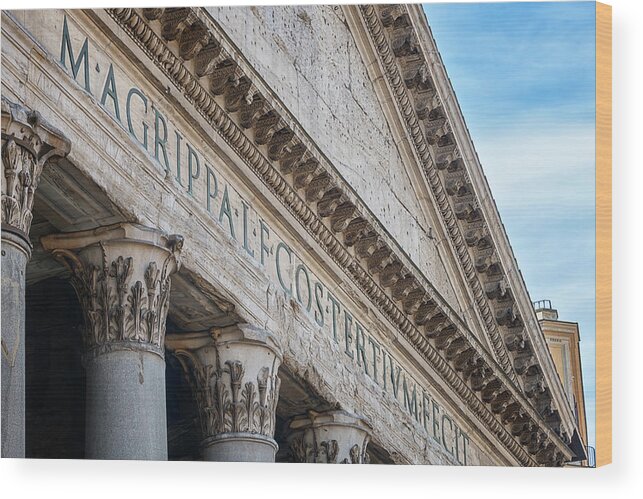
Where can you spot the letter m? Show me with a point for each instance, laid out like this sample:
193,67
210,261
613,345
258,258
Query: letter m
83,57
410,401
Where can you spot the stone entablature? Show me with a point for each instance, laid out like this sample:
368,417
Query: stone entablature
272,127
282,188
192,169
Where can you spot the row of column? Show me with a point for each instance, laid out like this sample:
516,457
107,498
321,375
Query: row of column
122,277
233,373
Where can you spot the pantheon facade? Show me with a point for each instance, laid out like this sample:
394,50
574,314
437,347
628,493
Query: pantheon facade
257,234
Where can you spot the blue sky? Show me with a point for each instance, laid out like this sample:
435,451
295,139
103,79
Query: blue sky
524,77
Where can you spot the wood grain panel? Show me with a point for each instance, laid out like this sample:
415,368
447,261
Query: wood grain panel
603,234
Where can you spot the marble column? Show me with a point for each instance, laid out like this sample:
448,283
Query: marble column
28,143
121,274
233,373
329,437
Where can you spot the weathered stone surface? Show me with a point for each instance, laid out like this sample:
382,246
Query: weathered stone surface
14,261
273,239
310,59
125,406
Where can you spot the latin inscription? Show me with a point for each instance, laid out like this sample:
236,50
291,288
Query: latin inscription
194,173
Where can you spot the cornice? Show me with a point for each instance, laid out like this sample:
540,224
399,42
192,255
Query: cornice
436,128
416,96
192,51
522,302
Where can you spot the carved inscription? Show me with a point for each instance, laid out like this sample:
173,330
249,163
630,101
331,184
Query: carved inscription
194,172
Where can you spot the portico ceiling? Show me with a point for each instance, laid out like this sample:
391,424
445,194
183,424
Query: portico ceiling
68,201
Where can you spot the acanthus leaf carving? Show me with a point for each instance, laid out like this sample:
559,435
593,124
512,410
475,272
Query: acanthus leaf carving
114,310
28,142
229,397
21,174
334,437
124,298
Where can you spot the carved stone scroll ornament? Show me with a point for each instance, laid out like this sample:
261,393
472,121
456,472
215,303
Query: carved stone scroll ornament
329,437
121,274
27,143
233,374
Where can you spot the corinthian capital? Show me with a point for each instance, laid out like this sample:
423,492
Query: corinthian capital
233,373
27,143
329,437
121,274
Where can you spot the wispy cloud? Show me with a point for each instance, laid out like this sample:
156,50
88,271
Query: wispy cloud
524,77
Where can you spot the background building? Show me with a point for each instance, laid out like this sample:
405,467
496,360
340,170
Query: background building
563,339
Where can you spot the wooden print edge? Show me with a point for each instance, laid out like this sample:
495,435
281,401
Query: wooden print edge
603,234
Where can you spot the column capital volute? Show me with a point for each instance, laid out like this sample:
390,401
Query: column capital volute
124,232
28,129
121,274
339,417
248,334
219,337
28,141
